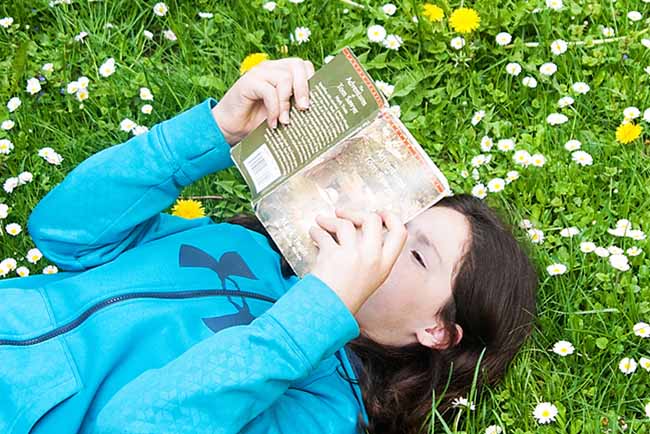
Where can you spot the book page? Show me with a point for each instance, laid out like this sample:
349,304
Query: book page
342,99
379,167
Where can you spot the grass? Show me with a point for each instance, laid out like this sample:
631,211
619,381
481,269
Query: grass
592,305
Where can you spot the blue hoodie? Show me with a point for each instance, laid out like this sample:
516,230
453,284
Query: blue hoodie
161,324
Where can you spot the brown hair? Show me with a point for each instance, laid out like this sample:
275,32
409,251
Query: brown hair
493,300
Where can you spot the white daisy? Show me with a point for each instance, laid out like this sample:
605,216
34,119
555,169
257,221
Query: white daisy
6,146
587,247
328,59
33,85
582,158
569,232
565,101
376,33
503,38
529,81
558,47
572,145
537,160
10,184
139,129
556,5
169,35
107,68
615,250
556,119
206,15
506,145
72,87
25,177
493,429
619,262
548,69
513,68
127,125
22,271
601,251
50,269
301,35
80,37
160,9
145,94
4,210
486,144
389,9
147,34
646,115
13,229
147,109
496,184
7,124
392,42
10,264
525,224
608,32
633,251
581,87
634,16
563,348
545,412
457,43
627,365
462,402
630,113
536,236
83,82
642,329
478,116
34,255
479,191
556,269
511,176
644,362
6,22
13,104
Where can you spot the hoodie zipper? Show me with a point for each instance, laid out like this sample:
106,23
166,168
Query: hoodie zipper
128,296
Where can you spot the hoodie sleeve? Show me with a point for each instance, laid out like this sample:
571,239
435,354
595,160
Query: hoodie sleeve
223,382
112,201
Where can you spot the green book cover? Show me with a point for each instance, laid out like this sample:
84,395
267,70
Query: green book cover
348,150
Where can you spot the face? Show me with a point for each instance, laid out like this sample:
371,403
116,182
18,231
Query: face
403,309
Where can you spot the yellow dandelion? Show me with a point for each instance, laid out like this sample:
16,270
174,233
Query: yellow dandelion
432,12
252,60
464,20
189,209
628,132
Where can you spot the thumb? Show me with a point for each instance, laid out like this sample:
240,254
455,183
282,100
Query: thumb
323,238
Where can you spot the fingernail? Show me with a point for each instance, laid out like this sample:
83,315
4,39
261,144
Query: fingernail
274,123
284,118
304,102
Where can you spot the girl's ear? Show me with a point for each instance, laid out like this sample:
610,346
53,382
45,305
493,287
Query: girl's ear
436,336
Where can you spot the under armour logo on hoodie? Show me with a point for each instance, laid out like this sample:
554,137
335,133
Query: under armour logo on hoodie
230,264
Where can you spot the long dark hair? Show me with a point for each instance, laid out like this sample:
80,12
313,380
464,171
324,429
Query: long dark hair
493,300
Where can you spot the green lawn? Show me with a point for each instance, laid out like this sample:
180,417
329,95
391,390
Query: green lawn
439,88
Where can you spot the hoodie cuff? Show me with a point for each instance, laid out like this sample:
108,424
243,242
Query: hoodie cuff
194,143
315,318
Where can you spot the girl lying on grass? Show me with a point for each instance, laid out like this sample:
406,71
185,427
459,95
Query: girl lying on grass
162,324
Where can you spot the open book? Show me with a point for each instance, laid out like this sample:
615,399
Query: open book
348,150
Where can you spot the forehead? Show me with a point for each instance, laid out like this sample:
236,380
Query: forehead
446,228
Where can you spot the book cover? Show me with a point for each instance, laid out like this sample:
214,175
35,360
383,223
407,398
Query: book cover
348,150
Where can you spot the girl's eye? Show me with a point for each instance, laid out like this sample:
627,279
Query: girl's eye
418,257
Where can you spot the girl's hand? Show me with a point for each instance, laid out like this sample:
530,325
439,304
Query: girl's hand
360,261
261,93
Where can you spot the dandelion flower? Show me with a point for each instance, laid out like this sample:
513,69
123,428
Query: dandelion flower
545,412
642,329
503,38
627,365
432,12
458,42
556,269
628,132
376,33
252,60
558,47
513,68
188,209
464,20
563,348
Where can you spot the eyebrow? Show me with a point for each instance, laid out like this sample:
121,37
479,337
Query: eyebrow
423,238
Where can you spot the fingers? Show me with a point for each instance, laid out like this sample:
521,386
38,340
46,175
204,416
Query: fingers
371,227
289,77
300,86
396,237
345,231
263,89
323,238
